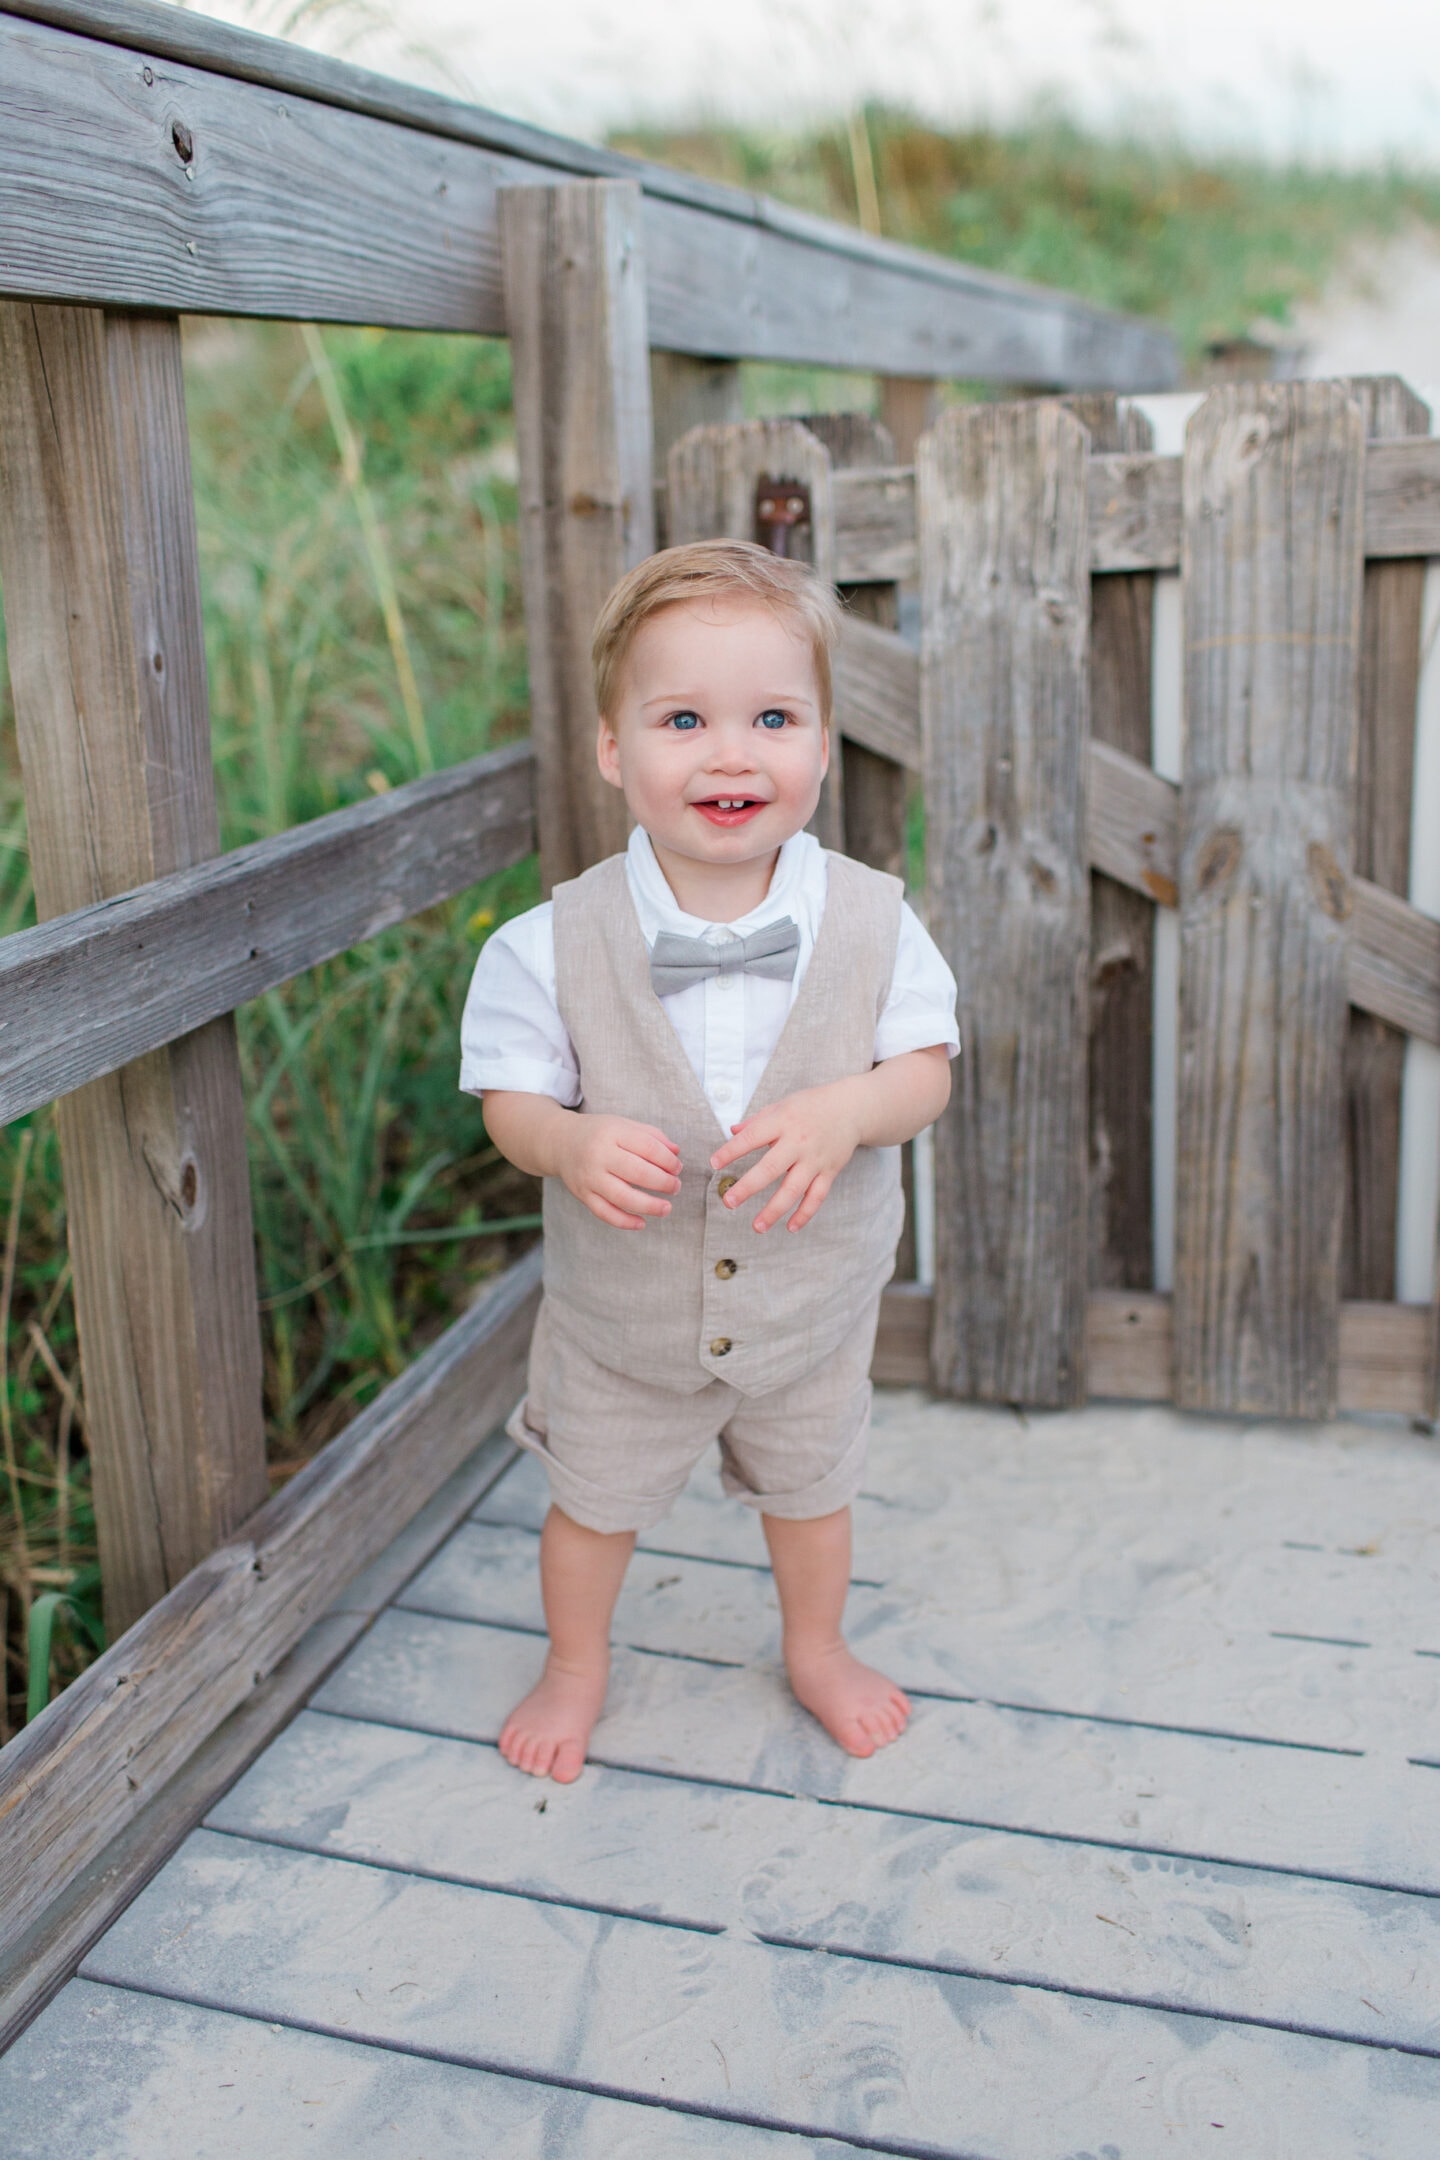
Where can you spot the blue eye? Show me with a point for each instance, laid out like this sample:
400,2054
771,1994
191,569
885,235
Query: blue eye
684,721
773,719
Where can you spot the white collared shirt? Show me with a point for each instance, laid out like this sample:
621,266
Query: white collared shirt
512,1035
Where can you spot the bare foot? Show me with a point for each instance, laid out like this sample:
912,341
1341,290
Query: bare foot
858,1706
547,1734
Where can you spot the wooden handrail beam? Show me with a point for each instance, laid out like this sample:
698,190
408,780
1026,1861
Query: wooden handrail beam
1135,512
236,174
87,992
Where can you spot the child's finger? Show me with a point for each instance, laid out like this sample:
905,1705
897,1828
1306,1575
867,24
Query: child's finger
745,1140
652,1146
810,1206
615,1217
640,1170
772,1165
791,1193
629,1198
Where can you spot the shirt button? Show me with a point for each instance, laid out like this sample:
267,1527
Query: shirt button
720,1346
725,1269
725,1184
722,1091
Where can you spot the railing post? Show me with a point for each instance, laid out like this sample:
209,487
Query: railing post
576,313
1273,556
1122,922
1390,654
102,607
1005,581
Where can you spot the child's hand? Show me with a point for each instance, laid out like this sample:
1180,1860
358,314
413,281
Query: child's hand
616,1166
809,1137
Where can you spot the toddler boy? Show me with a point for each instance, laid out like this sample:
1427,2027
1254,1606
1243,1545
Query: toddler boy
725,993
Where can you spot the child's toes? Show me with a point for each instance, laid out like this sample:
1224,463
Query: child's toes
569,1762
855,1737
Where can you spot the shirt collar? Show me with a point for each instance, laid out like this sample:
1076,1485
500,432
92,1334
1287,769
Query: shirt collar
659,909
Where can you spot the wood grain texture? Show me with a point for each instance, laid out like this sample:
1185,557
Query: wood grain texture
81,1772
686,392
384,197
710,484
1135,515
1384,1355
575,298
1006,597
1122,925
1274,481
45,1957
102,605
1390,640
874,787
87,992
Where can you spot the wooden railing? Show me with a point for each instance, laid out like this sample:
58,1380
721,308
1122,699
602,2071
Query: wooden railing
152,163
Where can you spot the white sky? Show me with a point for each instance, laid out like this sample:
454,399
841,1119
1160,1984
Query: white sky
1330,79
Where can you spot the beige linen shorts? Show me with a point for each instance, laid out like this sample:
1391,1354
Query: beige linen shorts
618,1451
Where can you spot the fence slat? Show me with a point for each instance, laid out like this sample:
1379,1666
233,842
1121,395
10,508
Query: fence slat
710,484
1389,684
102,603
575,295
85,993
89,1763
1122,924
1274,493
1005,570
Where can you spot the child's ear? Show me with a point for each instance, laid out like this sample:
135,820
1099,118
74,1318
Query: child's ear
825,733
607,752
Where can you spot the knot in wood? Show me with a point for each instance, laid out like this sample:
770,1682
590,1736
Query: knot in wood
183,140
1218,860
1329,883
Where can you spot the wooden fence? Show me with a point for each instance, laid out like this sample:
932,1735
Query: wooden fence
154,163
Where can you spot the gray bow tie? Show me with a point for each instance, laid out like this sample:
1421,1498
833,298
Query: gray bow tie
676,962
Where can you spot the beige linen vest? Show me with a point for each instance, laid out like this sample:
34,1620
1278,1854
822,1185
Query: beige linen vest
696,1295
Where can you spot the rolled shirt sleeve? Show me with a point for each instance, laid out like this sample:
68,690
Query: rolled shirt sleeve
511,1032
920,1010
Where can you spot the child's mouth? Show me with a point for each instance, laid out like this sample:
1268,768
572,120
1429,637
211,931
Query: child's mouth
729,809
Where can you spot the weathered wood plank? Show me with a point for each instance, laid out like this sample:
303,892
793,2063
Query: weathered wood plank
908,406
1006,594
685,393
47,1954
1384,1353
169,2080
1390,640
883,1885
575,299
711,479
877,692
107,663
1360,1819
1122,926
751,2031
385,198
74,1779
873,786
1135,515
1119,1647
85,993
1273,499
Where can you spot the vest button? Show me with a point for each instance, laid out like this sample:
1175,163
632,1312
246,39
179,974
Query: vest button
725,1269
720,1346
725,1184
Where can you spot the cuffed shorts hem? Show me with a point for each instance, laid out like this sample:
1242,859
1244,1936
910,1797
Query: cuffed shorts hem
594,1507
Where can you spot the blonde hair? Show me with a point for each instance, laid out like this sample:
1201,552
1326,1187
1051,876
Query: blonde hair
710,570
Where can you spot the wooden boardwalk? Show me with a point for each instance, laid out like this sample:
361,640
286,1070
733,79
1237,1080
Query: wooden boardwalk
1156,1870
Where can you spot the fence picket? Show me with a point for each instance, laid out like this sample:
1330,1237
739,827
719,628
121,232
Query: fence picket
575,301
1273,538
1389,683
1005,572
